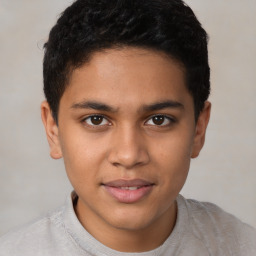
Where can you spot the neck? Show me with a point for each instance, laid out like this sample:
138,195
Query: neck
129,240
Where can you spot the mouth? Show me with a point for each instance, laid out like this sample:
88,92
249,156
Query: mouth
128,191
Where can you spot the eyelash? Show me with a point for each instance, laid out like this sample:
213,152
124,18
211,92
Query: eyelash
167,118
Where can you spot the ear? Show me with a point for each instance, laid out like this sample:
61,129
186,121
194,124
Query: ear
52,131
200,131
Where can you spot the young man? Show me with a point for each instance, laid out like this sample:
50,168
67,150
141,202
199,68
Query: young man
126,85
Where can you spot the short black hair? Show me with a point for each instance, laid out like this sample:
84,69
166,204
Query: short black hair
88,26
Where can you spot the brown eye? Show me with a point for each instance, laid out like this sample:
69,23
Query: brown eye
160,120
96,120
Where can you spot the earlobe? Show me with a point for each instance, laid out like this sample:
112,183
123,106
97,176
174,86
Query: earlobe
51,129
200,132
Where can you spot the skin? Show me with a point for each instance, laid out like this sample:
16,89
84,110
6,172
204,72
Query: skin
127,143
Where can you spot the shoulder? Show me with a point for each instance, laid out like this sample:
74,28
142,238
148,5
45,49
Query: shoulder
29,238
217,228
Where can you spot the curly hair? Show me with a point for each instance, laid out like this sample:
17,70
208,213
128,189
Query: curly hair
88,26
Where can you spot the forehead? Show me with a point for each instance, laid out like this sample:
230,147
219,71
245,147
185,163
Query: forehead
127,76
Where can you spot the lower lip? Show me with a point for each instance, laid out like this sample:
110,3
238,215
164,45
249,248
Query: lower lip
129,196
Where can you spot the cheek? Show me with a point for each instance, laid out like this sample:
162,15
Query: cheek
83,156
174,150
173,159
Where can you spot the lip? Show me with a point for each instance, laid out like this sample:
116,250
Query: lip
128,191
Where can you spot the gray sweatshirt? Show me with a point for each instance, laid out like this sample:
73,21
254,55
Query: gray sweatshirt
200,229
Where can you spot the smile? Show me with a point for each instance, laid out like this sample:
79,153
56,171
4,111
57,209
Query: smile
130,188
128,191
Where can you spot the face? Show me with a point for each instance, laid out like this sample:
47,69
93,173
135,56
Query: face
127,133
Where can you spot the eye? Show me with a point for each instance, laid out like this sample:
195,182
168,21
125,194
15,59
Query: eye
160,120
96,120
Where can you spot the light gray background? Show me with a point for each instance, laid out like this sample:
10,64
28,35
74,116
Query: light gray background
31,183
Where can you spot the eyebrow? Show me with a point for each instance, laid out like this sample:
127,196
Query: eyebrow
162,105
93,105
145,108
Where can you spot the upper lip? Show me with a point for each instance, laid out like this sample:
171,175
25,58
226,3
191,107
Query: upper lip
128,183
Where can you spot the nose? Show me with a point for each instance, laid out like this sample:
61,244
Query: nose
128,148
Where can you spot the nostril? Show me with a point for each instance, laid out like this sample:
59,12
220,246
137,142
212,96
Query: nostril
128,148
129,161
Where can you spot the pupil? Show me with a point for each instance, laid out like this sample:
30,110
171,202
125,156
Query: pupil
96,120
158,120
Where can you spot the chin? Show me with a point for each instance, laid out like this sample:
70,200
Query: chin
131,220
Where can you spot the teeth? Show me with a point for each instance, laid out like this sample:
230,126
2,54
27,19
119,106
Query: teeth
129,188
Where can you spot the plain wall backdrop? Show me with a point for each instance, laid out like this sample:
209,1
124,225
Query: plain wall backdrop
31,183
